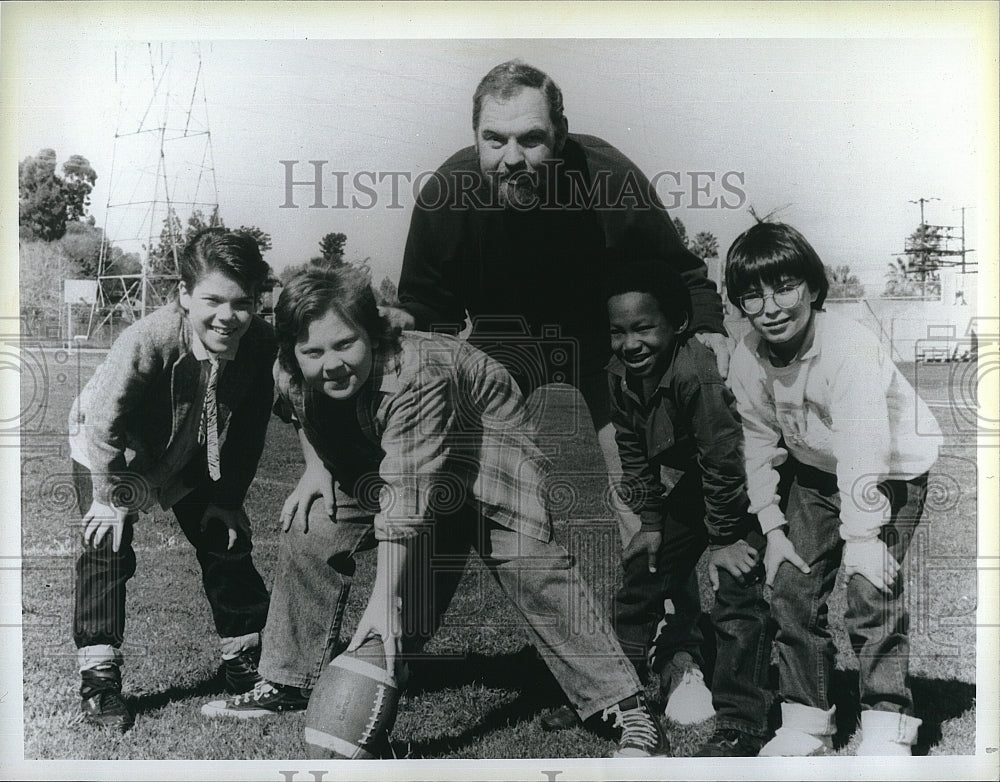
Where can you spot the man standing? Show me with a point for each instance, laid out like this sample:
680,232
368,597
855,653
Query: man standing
513,230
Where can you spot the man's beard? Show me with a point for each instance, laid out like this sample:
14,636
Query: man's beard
521,190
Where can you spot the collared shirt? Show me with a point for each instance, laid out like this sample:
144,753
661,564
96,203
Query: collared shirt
689,422
443,426
841,406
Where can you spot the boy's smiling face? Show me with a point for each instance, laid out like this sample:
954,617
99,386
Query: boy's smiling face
641,336
335,356
220,310
784,327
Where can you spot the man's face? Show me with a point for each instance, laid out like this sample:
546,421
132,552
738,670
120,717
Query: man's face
514,138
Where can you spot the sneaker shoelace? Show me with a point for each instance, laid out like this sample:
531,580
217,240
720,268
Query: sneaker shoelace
260,689
637,727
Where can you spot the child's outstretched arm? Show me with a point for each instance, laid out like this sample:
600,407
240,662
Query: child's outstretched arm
763,454
862,444
383,615
101,518
316,483
780,549
708,408
133,365
641,488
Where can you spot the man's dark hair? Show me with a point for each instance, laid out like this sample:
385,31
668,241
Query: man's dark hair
507,79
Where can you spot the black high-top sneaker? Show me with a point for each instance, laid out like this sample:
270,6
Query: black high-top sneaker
102,703
642,735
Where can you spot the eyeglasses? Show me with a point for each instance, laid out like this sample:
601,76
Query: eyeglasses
785,296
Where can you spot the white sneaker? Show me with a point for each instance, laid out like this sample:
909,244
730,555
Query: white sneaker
689,701
812,733
887,733
793,743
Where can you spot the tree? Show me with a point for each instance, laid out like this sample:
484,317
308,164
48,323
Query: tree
902,279
924,249
844,285
386,295
47,201
161,258
705,245
262,238
43,267
681,231
82,245
78,182
332,248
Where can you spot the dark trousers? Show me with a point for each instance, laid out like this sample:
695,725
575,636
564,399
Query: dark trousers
234,588
739,615
877,622
639,604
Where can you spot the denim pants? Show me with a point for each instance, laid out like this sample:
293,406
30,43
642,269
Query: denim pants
315,571
640,603
739,614
235,590
877,622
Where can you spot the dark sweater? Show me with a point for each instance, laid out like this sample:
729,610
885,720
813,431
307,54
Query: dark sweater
546,265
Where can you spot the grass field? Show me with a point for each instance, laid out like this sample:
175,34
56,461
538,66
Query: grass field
481,690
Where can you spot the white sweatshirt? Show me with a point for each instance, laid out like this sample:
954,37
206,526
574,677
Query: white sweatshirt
841,406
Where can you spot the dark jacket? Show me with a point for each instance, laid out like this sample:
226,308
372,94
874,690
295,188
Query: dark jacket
546,265
139,396
690,423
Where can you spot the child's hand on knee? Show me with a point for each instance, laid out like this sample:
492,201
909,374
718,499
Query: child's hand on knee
644,541
235,521
780,549
101,518
315,483
871,559
738,559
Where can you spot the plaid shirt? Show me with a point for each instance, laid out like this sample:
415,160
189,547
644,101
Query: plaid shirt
448,428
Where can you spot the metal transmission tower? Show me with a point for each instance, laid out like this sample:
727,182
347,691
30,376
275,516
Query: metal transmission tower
162,166
934,247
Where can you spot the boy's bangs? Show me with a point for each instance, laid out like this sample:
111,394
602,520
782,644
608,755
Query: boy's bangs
771,270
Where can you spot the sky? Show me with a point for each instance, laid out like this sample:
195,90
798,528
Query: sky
840,133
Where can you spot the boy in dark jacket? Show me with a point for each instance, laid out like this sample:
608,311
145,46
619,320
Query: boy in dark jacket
680,442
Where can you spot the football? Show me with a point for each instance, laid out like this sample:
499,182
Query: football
353,706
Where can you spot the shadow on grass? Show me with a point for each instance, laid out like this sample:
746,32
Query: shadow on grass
151,701
523,672
520,670
935,701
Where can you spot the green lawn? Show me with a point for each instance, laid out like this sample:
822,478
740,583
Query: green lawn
480,692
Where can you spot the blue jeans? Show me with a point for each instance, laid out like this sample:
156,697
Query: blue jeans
314,576
235,590
877,622
739,614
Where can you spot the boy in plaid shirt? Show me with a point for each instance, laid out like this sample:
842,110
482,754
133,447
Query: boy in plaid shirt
427,434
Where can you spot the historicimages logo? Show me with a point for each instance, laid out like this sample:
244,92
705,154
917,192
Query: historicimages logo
316,184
